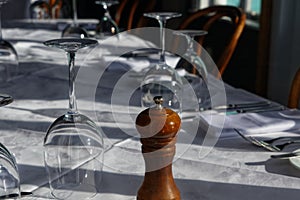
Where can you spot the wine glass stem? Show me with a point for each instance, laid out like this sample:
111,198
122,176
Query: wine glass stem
72,75
106,12
162,24
190,43
75,18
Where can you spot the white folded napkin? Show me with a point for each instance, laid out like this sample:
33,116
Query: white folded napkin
263,123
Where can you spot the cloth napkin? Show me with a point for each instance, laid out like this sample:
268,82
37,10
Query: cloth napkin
266,124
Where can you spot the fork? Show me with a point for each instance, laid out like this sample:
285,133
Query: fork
267,144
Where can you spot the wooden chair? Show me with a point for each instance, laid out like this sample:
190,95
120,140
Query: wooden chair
55,8
120,11
129,13
294,95
225,32
39,10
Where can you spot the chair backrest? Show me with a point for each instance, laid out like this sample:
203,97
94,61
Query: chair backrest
129,13
120,10
55,8
225,33
294,96
39,10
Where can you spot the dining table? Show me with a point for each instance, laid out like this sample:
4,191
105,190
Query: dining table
212,161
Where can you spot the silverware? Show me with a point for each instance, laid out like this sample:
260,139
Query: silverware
261,109
267,144
256,110
242,105
286,155
254,107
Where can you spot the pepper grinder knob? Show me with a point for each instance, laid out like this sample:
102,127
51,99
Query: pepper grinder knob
158,100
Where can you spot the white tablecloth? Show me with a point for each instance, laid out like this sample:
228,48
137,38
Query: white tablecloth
228,168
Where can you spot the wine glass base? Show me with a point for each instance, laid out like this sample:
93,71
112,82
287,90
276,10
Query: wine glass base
74,191
107,3
70,44
162,15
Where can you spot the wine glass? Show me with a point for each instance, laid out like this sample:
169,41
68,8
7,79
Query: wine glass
8,56
73,144
107,26
161,79
191,61
194,68
73,30
9,175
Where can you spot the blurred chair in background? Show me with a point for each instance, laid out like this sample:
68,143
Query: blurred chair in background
55,7
120,11
130,13
39,10
294,95
228,20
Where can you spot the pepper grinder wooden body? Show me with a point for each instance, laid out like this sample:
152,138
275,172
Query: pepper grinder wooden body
158,128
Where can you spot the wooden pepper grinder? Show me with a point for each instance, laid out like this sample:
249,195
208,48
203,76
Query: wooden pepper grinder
158,127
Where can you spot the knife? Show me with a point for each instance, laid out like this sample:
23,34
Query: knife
242,105
256,110
286,155
261,109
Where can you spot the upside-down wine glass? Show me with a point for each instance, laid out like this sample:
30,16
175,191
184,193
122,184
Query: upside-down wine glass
73,30
9,175
9,64
161,79
73,144
107,26
191,61
194,66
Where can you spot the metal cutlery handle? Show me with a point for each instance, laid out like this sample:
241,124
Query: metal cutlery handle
242,105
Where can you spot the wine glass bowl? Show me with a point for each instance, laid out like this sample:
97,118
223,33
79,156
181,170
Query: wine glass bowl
73,146
195,67
190,60
9,174
74,31
107,26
